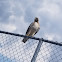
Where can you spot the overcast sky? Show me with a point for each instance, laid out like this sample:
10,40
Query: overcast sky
16,16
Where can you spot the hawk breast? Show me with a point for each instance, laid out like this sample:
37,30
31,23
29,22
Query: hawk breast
36,26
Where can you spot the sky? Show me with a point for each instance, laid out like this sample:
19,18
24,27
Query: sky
16,16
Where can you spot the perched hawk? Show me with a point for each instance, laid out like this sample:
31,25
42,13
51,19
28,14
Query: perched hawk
32,29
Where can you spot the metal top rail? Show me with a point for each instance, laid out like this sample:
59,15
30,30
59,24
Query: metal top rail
44,40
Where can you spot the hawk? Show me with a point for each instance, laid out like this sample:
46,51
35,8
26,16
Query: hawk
32,29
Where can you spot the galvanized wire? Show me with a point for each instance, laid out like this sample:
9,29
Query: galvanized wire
44,40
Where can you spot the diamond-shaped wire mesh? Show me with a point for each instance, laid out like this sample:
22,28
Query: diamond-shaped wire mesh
50,53
12,49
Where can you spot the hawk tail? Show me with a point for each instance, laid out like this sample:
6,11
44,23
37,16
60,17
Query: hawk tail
24,40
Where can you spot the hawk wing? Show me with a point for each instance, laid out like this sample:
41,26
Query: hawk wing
37,30
27,32
29,28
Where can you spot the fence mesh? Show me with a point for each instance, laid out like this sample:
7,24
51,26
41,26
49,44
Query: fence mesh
12,49
50,53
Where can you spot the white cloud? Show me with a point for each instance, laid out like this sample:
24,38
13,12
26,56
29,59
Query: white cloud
49,36
51,9
11,17
8,27
54,37
19,22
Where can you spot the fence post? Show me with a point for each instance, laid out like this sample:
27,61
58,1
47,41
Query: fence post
37,50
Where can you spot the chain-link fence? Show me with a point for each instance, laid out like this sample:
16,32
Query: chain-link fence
12,49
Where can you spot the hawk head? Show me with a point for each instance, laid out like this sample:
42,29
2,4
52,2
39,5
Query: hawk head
36,19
